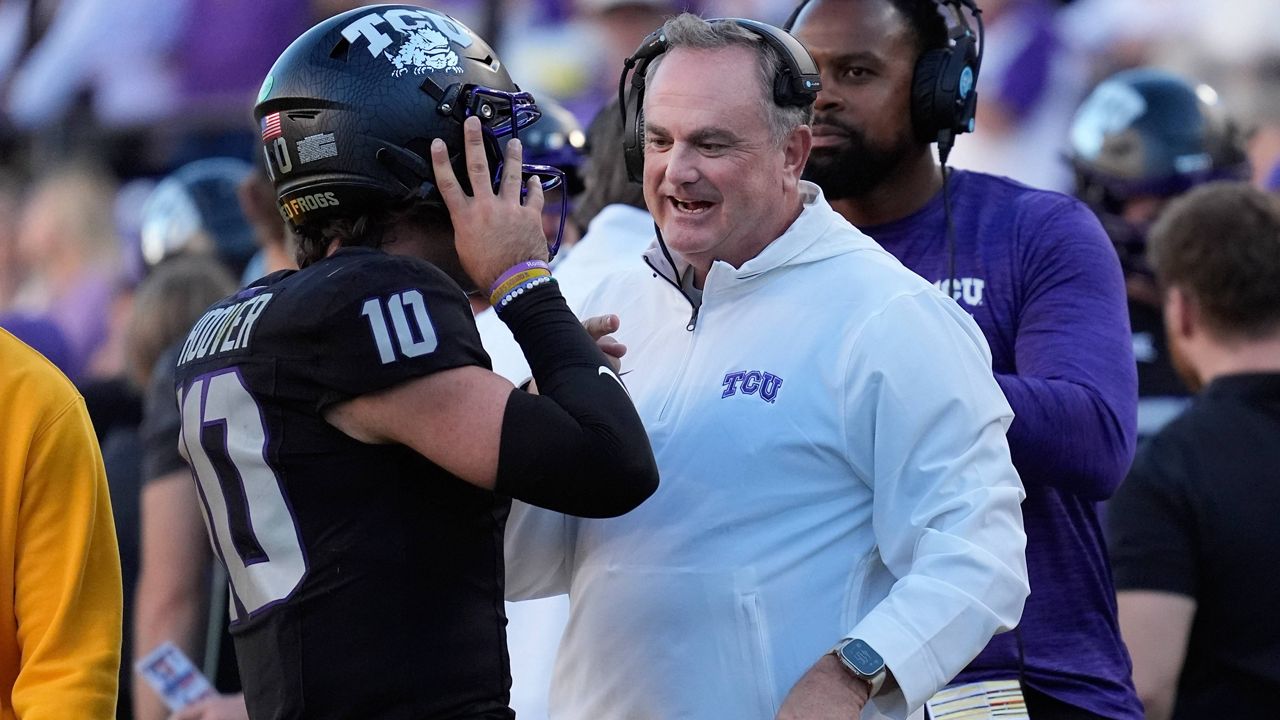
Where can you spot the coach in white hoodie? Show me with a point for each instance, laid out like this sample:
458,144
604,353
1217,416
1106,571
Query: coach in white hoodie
829,433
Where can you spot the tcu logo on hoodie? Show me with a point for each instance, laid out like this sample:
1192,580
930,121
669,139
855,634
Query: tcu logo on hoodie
752,382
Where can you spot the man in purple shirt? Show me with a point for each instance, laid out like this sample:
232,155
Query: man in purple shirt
1037,272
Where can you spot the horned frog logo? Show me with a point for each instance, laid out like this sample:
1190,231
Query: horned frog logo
424,49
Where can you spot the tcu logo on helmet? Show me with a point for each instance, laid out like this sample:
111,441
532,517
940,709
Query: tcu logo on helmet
422,42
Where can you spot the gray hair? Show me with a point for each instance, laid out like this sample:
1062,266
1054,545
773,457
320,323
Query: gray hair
690,31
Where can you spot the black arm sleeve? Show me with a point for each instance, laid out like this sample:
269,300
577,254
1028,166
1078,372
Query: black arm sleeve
579,447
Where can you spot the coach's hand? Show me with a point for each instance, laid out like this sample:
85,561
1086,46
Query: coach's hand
599,327
825,692
492,232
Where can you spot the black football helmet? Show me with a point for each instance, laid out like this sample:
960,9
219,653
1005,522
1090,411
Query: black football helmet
1150,132
557,140
555,148
1147,132
349,110
196,209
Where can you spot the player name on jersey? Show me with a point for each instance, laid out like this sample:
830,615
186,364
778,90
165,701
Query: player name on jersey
223,329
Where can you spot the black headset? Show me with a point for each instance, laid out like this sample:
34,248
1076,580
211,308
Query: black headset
796,84
943,99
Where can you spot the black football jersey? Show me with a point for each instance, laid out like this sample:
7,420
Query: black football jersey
366,582
1156,376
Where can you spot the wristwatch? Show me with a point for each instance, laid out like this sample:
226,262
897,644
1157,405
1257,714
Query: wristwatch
862,662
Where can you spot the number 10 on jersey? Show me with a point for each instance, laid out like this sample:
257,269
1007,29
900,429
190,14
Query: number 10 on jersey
401,306
224,437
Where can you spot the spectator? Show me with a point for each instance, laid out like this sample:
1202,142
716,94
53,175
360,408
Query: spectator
1193,527
68,245
1142,138
830,436
60,591
1038,276
148,86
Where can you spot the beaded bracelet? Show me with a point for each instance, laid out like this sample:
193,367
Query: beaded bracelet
515,276
506,300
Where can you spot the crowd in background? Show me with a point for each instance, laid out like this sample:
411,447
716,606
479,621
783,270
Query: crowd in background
100,101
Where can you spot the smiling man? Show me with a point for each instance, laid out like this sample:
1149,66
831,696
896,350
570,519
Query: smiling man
831,440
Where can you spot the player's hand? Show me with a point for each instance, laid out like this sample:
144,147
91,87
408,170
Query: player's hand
218,707
825,692
599,327
492,232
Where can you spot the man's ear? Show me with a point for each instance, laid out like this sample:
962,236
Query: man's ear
1181,313
796,151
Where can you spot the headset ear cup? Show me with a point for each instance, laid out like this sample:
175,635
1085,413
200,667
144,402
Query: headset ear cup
782,91
637,154
966,77
926,117
633,139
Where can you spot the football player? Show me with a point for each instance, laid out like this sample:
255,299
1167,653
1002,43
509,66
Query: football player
1142,138
354,454
196,210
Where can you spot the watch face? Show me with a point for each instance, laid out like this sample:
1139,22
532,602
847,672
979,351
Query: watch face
862,658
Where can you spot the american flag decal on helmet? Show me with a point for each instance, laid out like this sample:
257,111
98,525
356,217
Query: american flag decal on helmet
271,127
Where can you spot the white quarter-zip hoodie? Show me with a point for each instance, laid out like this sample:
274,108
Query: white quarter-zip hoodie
832,449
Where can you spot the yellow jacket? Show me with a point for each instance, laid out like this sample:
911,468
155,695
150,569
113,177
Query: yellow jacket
60,593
